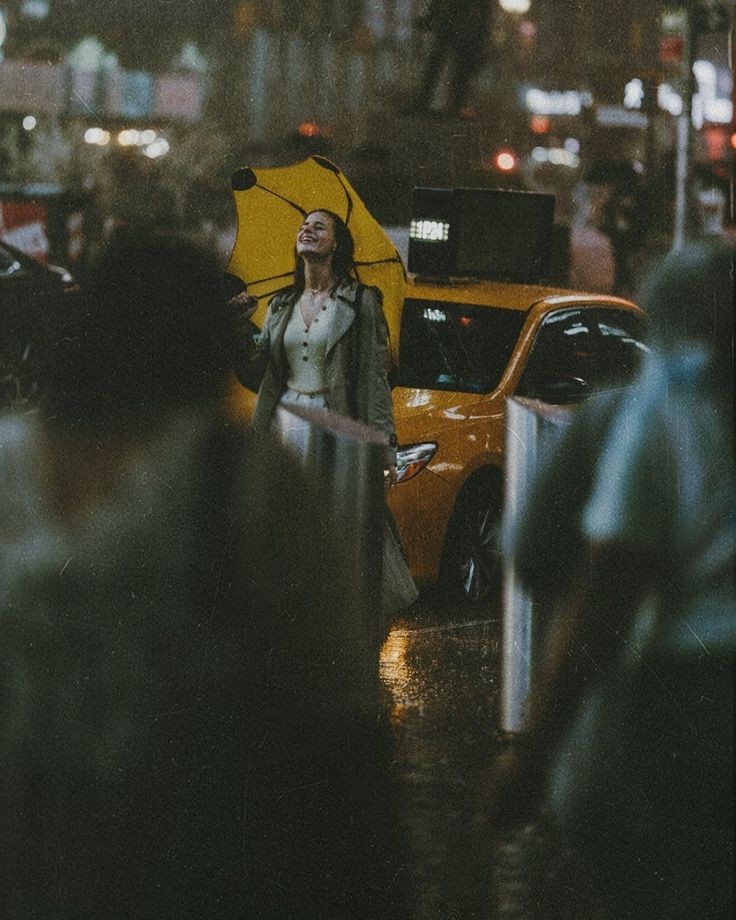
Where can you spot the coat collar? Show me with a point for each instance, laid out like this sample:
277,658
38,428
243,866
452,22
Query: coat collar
345,306
347,290
345,298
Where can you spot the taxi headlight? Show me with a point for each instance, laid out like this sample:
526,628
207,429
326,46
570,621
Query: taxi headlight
412,458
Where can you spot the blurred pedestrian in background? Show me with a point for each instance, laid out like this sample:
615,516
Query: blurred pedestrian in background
459,37
629,532
624,221
184,733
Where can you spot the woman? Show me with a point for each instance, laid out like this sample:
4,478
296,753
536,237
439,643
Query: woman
324,345
324,340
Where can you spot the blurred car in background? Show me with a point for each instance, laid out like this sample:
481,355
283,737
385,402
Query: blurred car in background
465,348
27,290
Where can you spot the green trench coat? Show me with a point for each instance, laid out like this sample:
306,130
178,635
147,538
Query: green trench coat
356,360
357,386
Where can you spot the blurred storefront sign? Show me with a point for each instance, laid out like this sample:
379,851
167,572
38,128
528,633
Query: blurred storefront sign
23,224
671,49
178,96
29,86
59,90
711,104
555,102
137,96
44,221
618,116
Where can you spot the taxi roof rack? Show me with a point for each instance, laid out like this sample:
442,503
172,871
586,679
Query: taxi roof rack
480,234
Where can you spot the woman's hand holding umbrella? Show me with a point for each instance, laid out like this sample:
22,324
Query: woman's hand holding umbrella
237,324
243,305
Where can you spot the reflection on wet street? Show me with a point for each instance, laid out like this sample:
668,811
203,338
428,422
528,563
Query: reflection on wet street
440,673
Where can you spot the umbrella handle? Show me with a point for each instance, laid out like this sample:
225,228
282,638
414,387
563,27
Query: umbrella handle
247,304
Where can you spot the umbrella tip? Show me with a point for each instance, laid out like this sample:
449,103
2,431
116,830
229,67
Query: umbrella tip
243,179
328,164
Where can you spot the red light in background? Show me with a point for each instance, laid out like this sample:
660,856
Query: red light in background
540,124
505,161
671,49
715,142
308,129
464,322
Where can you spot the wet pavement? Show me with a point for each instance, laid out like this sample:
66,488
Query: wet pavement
440,670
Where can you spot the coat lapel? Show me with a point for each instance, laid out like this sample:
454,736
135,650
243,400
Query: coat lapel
277,339
345,297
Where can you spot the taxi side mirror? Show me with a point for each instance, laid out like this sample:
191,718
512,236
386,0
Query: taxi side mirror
558,391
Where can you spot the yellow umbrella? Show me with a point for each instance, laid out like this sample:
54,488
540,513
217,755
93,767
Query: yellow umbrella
271,205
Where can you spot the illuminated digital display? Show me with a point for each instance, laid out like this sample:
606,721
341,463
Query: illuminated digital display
429,230
434,315
499,234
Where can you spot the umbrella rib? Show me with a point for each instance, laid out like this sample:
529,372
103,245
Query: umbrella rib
395,260
379,261
269,278
348,196
288,201
274,291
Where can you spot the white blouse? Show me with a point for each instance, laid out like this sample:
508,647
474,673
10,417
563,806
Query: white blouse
306,349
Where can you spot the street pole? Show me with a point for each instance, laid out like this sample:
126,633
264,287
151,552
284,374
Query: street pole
683,160
517,635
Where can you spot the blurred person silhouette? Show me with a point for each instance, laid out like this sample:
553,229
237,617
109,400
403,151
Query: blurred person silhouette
459,35
183,731
624,221
628,535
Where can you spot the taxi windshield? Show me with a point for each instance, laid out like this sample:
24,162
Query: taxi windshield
454,346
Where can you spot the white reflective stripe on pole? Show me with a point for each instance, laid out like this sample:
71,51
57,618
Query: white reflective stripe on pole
522,437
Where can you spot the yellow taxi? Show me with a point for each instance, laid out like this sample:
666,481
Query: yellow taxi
476,328
467,346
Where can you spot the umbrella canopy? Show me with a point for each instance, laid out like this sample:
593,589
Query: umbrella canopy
271,205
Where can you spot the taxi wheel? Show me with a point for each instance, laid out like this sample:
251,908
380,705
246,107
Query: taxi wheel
472,564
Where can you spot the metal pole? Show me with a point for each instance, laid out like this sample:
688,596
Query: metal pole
522,436
529,426
681,170
684,137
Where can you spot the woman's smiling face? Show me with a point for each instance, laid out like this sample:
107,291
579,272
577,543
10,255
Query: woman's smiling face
316,236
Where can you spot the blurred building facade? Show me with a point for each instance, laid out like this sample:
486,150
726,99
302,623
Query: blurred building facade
562,86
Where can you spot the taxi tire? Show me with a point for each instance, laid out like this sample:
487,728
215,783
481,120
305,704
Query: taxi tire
472,563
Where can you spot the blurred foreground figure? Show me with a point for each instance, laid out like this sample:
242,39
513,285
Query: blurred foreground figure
629,531
183,734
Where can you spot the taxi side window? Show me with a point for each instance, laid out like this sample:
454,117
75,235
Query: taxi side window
559,368
456,346
622,343
579,351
